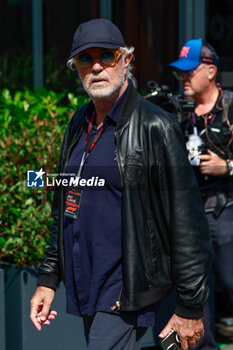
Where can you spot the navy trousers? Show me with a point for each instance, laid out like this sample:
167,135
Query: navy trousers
107,331
222,235
221,230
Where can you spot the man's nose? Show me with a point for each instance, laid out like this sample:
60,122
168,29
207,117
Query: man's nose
97,66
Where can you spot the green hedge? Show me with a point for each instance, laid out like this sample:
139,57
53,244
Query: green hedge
32,127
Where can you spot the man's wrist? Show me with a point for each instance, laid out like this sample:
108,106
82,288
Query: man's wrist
229,163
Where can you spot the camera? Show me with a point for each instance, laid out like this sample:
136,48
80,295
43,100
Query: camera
195,147
171,341
177,104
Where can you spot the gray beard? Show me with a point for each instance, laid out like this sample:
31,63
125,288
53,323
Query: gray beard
97,96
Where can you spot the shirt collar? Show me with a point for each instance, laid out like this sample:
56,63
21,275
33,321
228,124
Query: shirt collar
114,112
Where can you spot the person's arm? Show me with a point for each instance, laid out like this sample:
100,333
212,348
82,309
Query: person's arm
49,277
49,270
212,164
191,247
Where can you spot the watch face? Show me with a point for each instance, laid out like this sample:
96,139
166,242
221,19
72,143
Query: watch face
231,171
229,167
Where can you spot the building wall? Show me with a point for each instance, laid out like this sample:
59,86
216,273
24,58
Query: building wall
148,25
219,32
152,27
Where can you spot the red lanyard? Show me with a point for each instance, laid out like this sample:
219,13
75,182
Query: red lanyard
90,126
86,153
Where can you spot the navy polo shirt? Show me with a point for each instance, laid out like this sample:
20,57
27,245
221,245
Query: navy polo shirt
92,242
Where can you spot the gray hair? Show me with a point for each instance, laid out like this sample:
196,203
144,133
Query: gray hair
126,49
129,50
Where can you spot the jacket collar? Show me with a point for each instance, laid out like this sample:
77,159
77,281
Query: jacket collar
128,106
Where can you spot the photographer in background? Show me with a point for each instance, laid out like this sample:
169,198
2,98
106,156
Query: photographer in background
209,129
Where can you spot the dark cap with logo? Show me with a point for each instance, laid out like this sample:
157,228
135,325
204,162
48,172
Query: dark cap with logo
98,32
190,55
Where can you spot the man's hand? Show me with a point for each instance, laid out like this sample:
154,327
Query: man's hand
190,330
212,164
40,307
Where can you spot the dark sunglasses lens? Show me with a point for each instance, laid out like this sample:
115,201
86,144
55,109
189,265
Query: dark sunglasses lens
107,57
84,59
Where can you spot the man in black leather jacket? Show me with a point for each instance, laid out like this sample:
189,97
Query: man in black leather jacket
117,271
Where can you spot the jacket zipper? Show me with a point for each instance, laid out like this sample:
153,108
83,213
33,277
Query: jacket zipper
118,161
68,154
117,305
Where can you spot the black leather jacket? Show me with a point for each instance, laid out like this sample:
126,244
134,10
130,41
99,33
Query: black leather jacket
165,238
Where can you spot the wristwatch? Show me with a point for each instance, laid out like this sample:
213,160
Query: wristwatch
229,167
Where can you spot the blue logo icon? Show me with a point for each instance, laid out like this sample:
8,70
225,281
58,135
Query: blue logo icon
35,178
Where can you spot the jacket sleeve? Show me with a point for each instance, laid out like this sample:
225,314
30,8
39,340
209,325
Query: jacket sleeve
190,242
50,270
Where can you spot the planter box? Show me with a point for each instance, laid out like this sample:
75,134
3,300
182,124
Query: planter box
2,311
66,332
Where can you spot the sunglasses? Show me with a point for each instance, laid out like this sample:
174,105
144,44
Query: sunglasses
179,74
106,57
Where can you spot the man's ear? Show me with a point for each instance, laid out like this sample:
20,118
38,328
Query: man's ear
212,71
128,58
73,67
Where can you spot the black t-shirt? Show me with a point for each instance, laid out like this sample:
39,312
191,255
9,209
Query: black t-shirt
215,133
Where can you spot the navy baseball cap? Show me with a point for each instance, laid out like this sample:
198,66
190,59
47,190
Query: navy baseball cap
190,55
98,32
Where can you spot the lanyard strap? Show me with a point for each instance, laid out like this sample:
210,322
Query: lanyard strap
90,126
86,153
